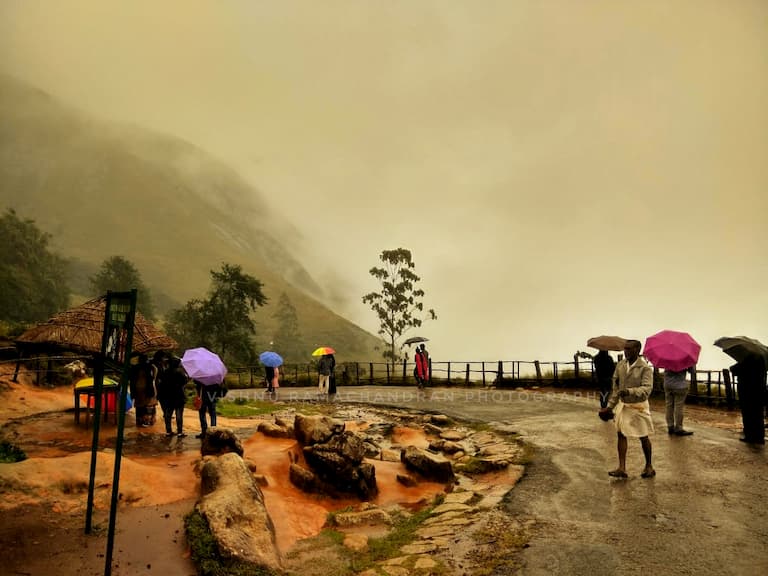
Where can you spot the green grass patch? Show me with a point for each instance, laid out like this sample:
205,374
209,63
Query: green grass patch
9,453
388,546
241,408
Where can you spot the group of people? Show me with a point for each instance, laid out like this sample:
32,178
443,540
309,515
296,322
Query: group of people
160,381
163,381
625,388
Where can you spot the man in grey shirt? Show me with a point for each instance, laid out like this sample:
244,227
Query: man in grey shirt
675,391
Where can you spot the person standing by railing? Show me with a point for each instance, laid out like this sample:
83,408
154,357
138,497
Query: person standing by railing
422,366
604,368
675,391
750,385
324,369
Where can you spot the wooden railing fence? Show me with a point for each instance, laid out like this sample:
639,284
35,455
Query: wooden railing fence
711,386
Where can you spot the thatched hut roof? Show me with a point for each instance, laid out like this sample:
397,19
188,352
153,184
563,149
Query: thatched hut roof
80,330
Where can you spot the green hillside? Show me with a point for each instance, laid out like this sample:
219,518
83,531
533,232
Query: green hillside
176,213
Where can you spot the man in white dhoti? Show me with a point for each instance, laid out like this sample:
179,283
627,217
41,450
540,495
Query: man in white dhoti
632,385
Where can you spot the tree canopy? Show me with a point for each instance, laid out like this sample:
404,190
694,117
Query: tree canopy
222,322
33,279
398,305
119,274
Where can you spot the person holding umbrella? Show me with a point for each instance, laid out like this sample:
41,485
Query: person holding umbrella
324,369
751,378
422,366
604,368
675,391
632,385
676,352
272,362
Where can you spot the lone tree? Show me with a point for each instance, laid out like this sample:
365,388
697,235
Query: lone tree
398,305
223,321
119,274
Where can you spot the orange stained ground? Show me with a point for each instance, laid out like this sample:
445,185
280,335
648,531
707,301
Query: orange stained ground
297,515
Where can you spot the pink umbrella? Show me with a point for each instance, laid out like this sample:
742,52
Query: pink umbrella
672,350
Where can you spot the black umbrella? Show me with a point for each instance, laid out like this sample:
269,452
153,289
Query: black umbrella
415,340
739,347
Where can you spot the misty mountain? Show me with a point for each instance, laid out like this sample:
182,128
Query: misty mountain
177,213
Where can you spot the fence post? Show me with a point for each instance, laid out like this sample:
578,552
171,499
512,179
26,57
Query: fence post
728,387
576,367
694,389
371,367
483,373
466,377
500,373
538,370
554,372
357,373
387,372
405,368
449,372
429,374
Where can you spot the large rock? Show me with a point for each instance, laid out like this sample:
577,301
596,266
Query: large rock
275,430
310,430
219,441
233,505
432,466
339,464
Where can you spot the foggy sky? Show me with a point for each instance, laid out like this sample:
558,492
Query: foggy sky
559,169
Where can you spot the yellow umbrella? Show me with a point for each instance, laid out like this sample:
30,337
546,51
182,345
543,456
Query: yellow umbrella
323,350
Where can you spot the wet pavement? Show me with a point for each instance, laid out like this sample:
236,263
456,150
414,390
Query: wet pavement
706,511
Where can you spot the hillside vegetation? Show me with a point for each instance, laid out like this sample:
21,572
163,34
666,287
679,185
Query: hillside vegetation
176,213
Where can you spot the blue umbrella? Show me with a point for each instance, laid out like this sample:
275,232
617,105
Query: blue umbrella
271,359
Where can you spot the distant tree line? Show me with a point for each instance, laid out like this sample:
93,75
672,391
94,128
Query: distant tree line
34,286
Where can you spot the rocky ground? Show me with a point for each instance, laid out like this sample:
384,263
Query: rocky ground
43,497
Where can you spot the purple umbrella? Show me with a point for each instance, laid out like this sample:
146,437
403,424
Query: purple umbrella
204,366
672,350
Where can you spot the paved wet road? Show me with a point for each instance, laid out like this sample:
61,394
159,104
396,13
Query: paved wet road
706,512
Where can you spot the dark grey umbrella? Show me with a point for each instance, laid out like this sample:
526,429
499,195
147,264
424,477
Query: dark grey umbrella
739,347
415,340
